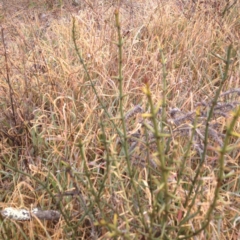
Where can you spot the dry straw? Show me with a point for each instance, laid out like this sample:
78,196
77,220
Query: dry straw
120,118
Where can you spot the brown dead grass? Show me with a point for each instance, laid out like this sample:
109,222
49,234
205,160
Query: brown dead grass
55,111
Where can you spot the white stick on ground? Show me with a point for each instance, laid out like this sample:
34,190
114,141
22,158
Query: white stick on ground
25,215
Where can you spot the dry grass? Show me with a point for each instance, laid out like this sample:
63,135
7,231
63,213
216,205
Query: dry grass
63,147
